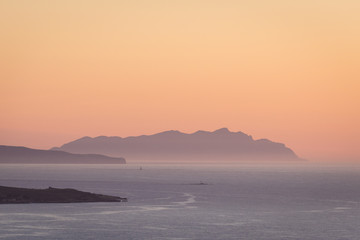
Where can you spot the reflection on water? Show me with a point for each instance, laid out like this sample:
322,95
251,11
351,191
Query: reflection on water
245,201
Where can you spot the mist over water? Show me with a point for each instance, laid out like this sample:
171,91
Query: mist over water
230,201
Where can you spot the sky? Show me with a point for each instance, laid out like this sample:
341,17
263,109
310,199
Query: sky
283,70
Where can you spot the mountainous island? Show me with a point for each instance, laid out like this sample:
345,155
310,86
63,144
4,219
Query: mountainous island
11,154
52,195
219,145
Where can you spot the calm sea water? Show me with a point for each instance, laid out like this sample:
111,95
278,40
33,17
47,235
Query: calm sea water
245,201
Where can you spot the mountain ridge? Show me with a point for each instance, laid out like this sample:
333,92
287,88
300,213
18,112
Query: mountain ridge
172,144
19,154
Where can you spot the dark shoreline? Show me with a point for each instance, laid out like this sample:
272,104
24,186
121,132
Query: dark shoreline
13,195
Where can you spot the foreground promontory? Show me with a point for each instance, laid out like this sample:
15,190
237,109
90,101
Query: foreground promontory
52,195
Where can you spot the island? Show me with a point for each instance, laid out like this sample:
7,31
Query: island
52,195
202,146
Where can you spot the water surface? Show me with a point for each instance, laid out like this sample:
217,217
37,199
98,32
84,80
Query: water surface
244,201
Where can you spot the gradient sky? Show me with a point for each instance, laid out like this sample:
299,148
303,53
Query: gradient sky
284,70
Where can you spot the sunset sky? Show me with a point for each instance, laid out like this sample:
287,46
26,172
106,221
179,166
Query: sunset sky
284,70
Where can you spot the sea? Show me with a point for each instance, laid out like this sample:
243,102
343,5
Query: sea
267,201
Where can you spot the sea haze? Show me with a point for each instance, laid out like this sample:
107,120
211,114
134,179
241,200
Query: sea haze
244,201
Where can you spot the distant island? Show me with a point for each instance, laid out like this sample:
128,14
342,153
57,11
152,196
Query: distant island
219,145
11,154
52,195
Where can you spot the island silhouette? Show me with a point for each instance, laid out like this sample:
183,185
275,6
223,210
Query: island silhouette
218,145
52,195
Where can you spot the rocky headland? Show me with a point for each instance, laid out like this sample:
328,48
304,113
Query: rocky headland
52,195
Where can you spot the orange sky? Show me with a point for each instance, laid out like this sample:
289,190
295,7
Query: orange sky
284,70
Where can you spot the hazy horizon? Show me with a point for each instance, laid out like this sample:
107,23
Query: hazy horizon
177,159
281,70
